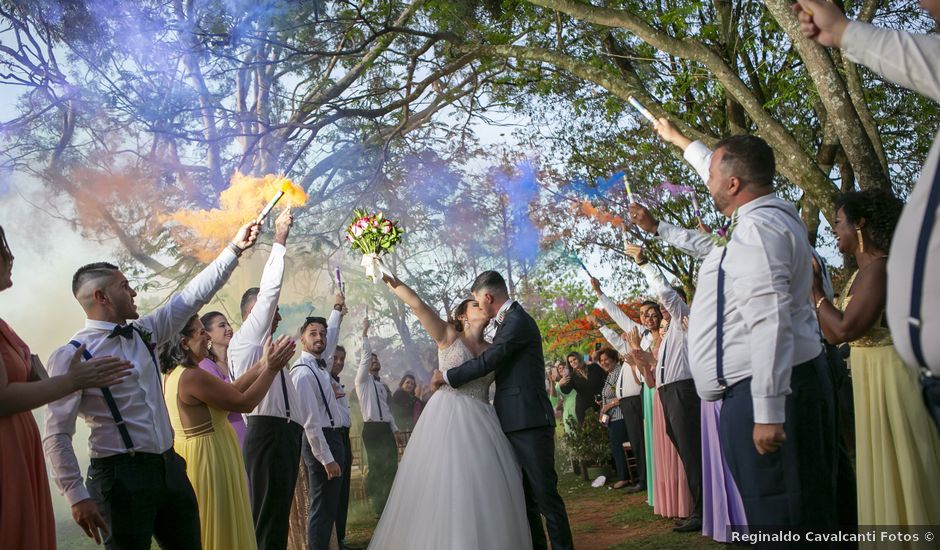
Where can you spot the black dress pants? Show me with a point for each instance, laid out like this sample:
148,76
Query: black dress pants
272,458
325,494
346,465
142,496
632,410
795,486
535,450
682,410
382,452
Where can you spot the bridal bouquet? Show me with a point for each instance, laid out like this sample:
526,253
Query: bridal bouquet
374,235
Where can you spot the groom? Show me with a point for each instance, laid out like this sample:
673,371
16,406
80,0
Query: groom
524,410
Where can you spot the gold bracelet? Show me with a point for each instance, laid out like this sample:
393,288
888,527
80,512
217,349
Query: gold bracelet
819,302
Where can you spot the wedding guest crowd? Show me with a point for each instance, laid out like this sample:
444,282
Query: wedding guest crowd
759,364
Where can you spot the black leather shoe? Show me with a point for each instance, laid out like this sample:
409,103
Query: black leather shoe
690,525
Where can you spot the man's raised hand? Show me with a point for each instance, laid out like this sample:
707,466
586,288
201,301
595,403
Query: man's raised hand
822,21
247,235
640,215
636,252
282,226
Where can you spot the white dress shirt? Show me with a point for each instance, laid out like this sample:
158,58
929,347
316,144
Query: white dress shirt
490,331
139,397
373,394
673,363
623,321
627,385
769,322
698,244
912,61
315,390
344,417
247,345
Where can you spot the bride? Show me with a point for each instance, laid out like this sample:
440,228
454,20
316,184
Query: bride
458,485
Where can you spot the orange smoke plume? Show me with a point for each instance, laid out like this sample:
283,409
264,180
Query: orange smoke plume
201,233
588,209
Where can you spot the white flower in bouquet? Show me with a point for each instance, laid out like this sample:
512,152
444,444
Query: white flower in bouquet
374,235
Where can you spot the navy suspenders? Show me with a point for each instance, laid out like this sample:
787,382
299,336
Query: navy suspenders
378,402
720,308
920,263
720,327
326,404
112,406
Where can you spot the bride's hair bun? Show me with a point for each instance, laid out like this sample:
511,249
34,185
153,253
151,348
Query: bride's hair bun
459,311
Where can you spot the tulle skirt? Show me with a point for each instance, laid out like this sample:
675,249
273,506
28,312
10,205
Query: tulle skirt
458,486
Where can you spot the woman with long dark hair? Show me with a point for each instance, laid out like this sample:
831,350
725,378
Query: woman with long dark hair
406,404
216,363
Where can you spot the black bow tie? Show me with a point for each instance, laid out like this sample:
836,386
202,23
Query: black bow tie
127,331
321,363
645,332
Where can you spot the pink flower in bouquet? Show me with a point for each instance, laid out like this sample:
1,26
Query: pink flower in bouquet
356,230
386,228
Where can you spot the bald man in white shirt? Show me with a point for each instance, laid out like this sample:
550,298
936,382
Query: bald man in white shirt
754,343
136,488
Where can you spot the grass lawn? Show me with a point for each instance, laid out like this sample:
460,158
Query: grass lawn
600,519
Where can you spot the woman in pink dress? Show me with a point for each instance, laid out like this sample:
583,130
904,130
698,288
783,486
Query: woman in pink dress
673,499
220,334
26,519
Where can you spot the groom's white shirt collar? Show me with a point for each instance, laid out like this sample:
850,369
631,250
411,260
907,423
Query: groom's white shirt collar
490,331
501,314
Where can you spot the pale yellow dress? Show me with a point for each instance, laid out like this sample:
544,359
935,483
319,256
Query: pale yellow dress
204,437
897,447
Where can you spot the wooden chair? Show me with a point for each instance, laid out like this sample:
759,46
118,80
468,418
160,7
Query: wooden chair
632,478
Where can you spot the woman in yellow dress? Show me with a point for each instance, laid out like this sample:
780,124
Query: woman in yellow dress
199,404
897,447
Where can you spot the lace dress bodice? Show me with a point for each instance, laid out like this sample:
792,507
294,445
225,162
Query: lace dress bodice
454,356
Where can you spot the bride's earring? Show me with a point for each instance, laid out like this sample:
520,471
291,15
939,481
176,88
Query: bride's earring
861,240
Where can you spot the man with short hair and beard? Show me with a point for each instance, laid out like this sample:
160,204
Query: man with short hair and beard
136,487
314,386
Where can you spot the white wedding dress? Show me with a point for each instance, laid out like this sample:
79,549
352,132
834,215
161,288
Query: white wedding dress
458,485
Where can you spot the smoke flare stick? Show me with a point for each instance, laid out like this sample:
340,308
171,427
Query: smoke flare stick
339,282
695,208
643,110
267,209
580,263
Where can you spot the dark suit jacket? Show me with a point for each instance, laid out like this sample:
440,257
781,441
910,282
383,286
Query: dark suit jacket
516,355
